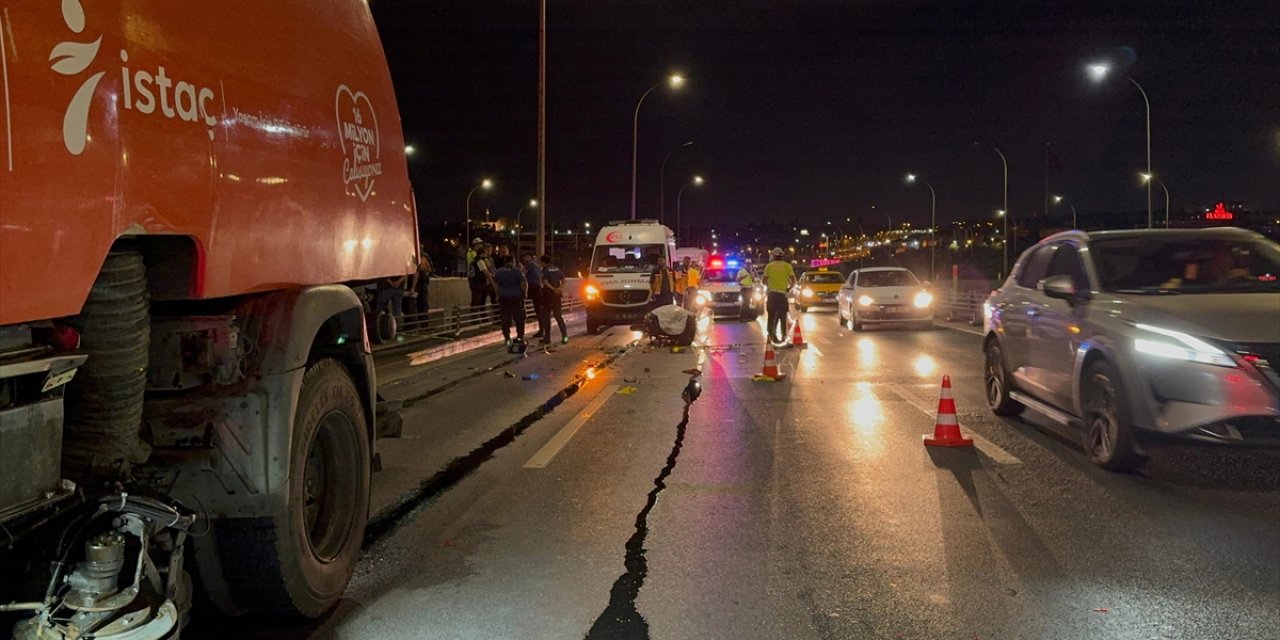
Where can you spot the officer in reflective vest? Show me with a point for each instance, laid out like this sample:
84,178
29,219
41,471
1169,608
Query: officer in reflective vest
748,286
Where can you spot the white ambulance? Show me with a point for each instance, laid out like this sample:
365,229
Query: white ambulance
622,265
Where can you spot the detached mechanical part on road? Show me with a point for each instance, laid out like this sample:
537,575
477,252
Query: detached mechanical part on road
129,580
621,619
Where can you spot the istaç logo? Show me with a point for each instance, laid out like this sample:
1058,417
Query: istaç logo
69,59
360,142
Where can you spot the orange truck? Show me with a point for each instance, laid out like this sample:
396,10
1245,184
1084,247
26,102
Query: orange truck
190,194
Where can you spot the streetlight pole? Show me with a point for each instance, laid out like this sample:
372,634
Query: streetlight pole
675,81
1099,71
1147,103
485,184
933,223
541,239
662,184
519,228
1058,200
1005,204
1166,202
697,180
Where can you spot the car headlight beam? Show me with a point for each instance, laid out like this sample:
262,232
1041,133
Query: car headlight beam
1177,345
923,299
806,292
865,300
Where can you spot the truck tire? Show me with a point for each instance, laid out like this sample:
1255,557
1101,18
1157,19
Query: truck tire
102,433
382,327
297,562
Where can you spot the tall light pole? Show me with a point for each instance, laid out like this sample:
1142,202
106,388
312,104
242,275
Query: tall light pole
674,81
541,239
1098,71
1147,178
662,184
485,184
1058,200
1005,204
519,228
933,223
697,180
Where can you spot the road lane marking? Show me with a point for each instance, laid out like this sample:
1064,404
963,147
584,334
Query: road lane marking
989,448
549,450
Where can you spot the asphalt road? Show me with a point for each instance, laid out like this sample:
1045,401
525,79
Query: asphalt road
806,508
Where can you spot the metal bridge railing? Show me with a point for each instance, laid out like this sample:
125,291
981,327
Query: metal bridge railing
460,322
960,306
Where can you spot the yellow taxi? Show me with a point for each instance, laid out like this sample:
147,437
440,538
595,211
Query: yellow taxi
817,288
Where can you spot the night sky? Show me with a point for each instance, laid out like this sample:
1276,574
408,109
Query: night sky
813,110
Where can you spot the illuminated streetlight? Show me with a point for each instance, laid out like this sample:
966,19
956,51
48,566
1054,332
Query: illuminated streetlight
696,181
662,183
933,222
1058,200
1005,202
675,81
485,184
1098,72
532,204
1147,178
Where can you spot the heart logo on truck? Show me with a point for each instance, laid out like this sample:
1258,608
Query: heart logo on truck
360,141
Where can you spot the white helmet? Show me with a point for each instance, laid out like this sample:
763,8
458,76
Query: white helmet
776,252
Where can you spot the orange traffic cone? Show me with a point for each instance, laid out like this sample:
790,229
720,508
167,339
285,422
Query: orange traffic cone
797,340
770,371
946,433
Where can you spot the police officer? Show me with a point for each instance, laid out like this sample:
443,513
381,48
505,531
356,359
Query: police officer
779,277
747,282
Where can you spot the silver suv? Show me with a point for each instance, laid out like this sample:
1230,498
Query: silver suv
1129,334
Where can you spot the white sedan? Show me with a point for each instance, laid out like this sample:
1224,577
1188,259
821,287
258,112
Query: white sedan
884,295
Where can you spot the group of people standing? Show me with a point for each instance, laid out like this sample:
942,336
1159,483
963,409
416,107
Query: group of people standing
406,295
675,286
494,276
680,286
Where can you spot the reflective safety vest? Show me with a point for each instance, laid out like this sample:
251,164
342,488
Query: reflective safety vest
693,277
745,279
658,283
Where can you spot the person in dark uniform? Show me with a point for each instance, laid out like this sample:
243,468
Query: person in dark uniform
512,290
553,298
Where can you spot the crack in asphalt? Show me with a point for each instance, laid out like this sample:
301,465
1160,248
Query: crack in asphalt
459,468
620,618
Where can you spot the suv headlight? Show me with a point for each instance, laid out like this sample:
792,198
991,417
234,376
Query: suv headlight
923,299
592,292
1176,345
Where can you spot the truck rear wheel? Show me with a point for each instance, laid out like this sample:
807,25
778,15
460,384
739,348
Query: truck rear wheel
298,560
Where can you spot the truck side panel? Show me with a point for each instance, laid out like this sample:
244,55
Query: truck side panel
267,132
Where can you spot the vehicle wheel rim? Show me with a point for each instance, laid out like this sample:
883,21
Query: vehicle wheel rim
995,382
329,494
1103,424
